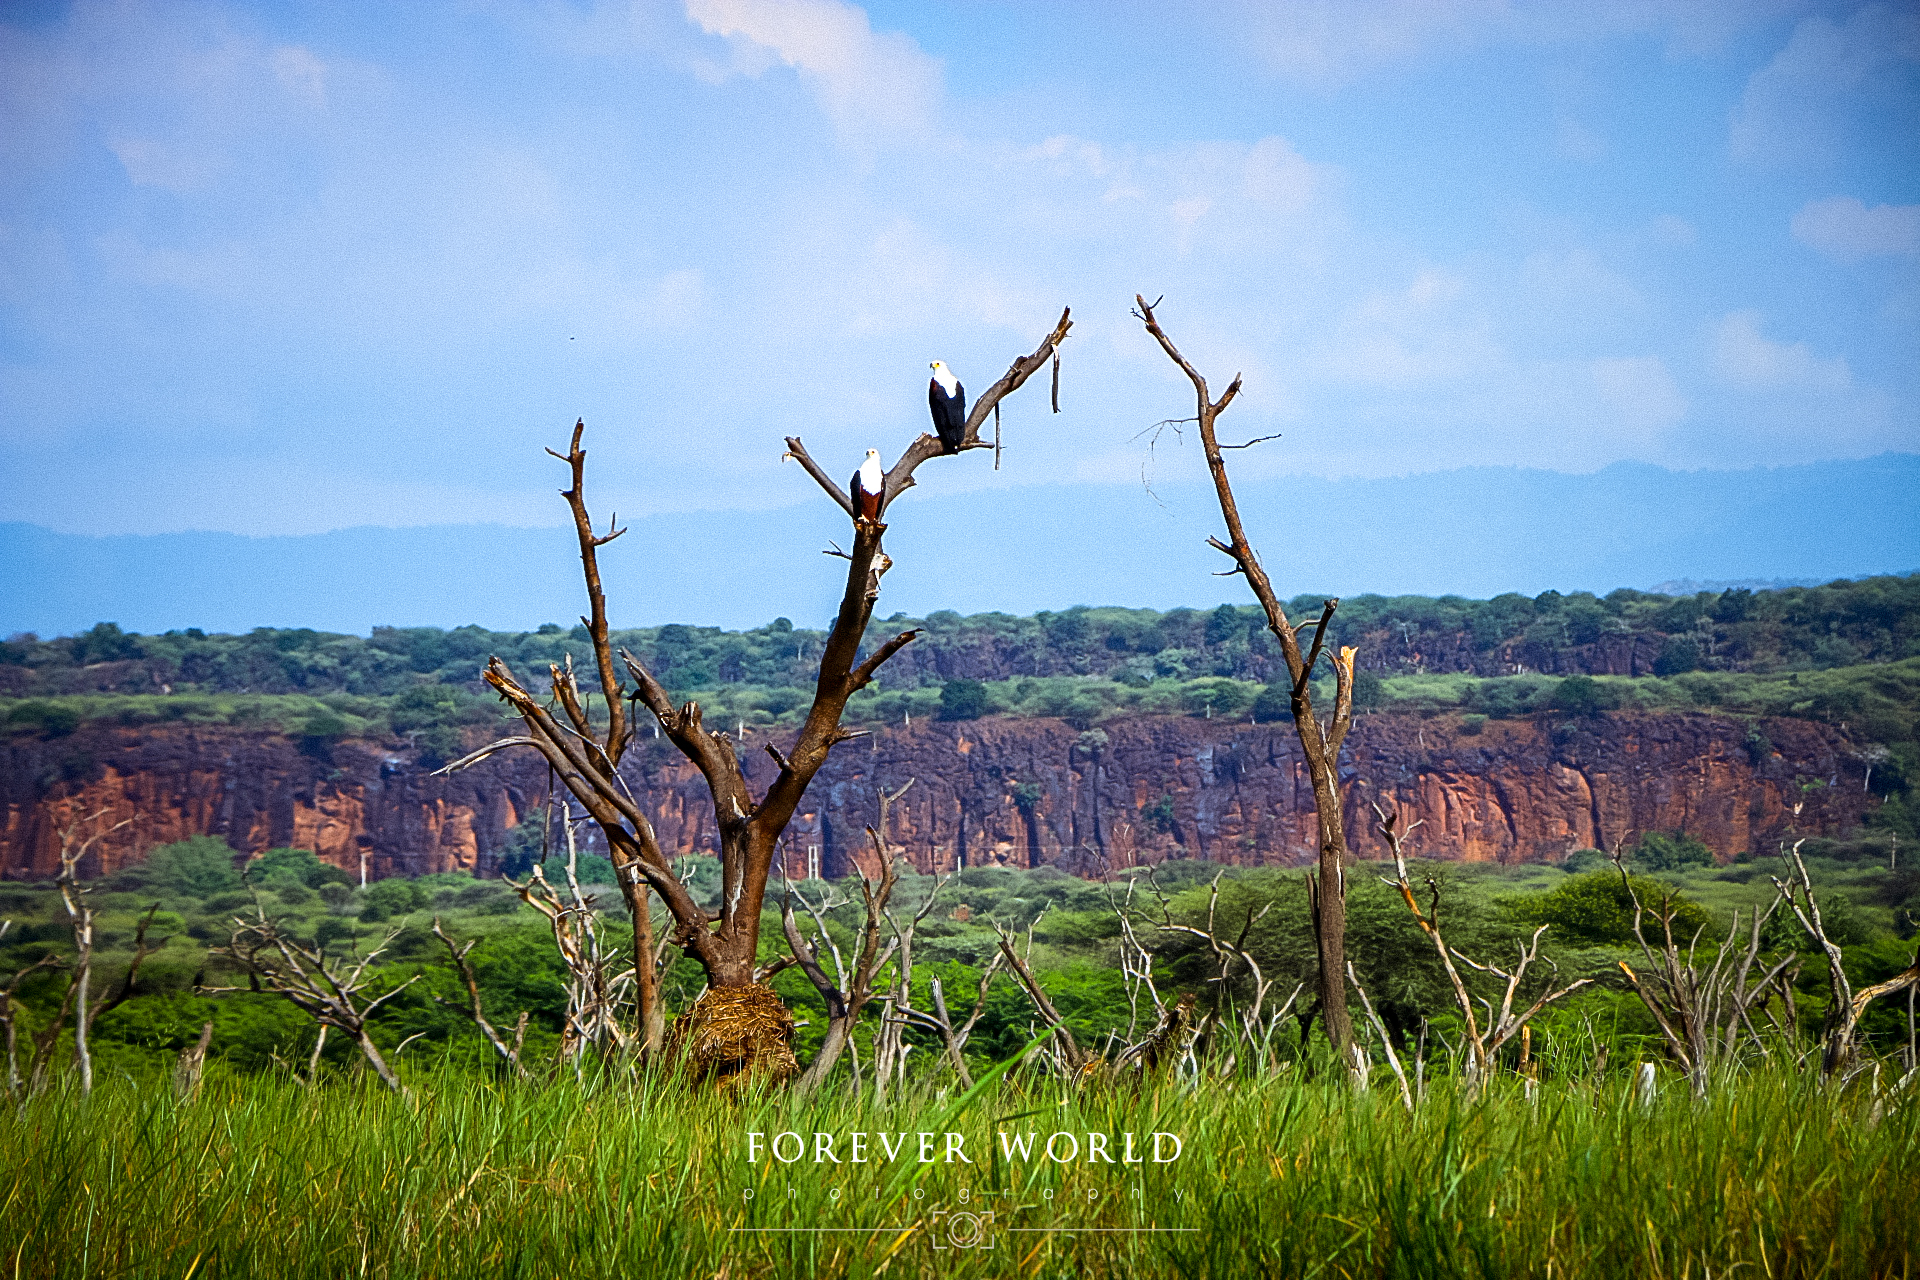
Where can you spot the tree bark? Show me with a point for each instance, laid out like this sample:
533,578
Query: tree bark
586,758
1319,742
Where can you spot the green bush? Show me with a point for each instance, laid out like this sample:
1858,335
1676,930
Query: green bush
1275,704
198,867
1584,696
1670,851
384,899
50,719
963,700
295,864
1677,655
332,929
1596,909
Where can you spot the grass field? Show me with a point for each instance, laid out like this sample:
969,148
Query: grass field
261,1177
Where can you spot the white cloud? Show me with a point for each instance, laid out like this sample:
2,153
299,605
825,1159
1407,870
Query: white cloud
1746,357
876,86
1577,280
1794,108
303,75
153,163
1326,42
1410,335
1846,228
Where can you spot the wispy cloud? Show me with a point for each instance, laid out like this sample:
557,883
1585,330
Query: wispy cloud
1846,228
1748,358
1794,108
877,87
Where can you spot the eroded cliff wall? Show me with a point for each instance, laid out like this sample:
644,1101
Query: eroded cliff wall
1026,792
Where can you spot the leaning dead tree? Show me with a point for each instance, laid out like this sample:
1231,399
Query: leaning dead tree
1320,740
1484,1040
1845,1005
336,990
737,1025
847,993
1073,1061
475,1009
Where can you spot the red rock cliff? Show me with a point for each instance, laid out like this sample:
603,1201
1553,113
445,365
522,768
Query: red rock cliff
1027,792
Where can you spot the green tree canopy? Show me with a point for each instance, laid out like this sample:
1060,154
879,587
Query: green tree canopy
1596,909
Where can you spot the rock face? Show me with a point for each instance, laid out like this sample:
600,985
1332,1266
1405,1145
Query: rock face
1020,792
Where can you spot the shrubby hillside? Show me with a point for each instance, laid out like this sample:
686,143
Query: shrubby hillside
1623,633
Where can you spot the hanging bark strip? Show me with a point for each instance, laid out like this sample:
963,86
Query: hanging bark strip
1319,740
586,756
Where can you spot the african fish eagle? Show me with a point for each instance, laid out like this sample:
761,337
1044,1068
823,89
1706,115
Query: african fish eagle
869,486
948,400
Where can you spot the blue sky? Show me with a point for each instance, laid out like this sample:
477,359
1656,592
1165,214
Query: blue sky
284,268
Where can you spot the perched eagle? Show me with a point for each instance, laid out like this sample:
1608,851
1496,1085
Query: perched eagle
869,487
948,400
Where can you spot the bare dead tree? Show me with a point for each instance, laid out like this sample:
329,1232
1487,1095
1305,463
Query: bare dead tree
846,994
191,1063
737,1024
1253,1027
1386,1040
1845,1006
1701,1011
952,1039
1074,1061
85,1005
1503,1023
1136,958
1320,741
595,978
890,1043
475,1009
9,1012
335,990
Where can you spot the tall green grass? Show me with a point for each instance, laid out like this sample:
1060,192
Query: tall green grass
261,1177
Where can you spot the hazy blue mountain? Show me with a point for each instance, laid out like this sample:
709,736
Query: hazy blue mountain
1473,532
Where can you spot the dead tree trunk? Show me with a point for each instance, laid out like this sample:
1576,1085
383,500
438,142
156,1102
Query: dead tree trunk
954,1039
191,1062
737,1025
1075,1062
1502,1024
457,953
333,990
1320,741
73,896
593,986
890,1044
1845,1005
9,1013
849,996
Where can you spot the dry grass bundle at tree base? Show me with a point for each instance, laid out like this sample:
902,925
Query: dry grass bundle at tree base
735,1034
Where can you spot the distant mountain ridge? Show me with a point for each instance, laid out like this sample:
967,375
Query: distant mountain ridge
1476,532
